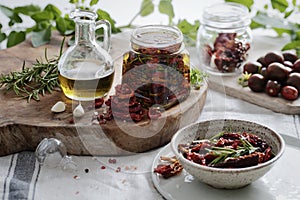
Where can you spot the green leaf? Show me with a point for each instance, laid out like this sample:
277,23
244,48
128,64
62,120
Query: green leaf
61,25
281,31
93,2
14,17
247,3
280,5
27,10
6,11
41,37
15,38
74,1
189,29
292,45
271,21
104,15
294,2
287,14
2,36
54,10
65,26
147,8
166,7
42,25
255,25
42,16
296,35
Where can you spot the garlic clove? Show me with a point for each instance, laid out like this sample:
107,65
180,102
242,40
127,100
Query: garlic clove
58,107
78,111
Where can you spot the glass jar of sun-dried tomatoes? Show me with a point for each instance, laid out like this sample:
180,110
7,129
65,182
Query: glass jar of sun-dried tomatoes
157,66
224,38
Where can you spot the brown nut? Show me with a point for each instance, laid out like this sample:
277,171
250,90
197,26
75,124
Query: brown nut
272,57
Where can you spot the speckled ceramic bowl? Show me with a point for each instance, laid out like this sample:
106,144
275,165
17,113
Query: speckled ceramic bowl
221,177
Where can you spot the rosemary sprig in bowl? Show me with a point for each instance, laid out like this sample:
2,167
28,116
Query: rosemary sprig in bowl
222,153
31,82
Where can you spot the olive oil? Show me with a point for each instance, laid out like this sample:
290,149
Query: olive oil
86,79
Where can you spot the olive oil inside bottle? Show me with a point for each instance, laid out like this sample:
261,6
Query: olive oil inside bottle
86,79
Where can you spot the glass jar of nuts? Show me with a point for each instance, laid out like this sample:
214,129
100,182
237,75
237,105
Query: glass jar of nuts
224,38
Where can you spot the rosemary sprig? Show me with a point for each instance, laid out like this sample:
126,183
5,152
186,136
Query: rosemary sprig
30,83
222,153
217,136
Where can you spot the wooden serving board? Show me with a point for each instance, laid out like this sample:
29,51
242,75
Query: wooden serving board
230,86
23,125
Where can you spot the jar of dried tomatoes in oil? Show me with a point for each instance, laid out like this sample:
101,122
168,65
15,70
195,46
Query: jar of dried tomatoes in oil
157,66
224,38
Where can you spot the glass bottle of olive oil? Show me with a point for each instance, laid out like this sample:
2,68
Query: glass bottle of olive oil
86,69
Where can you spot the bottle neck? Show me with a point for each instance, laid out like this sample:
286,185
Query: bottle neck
84,33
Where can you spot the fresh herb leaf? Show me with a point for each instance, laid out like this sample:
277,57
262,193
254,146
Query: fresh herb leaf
197,78
287,14
166,7
15,38
271,21
2,36
41,37
255,25
247,3
65,26
217,136
93,2
42,16
13,16
74,1
292,45
281,31
7,11
61,25
27,10
280,5
147,8
105,15
189,29
243,80
54,10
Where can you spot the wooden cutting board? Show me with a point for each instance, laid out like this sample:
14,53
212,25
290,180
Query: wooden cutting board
230,86
23,125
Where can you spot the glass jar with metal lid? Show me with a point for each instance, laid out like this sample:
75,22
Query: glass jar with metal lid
157,66
224,38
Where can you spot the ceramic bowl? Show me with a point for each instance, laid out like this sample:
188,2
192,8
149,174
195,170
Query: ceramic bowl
223,177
